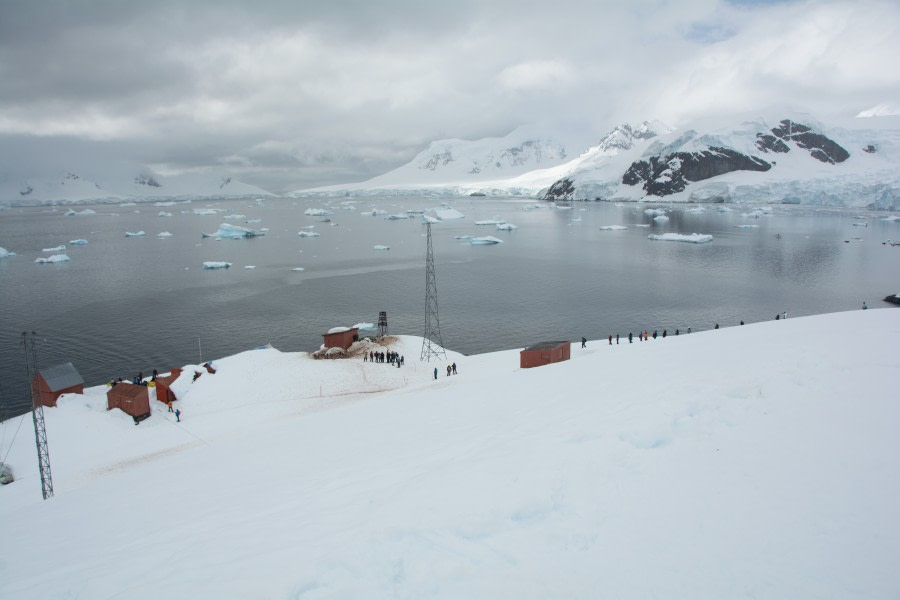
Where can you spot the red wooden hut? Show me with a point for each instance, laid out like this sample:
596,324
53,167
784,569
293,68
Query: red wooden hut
130,398
164,391
51,383
544,354
340,337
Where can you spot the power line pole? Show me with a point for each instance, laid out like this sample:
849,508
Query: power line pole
432,344
37,415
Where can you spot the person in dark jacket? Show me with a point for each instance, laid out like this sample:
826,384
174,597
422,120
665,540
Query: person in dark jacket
584,342
178,415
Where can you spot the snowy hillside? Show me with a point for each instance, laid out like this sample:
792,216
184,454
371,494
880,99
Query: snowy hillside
455,165
783,157
756,461
134,184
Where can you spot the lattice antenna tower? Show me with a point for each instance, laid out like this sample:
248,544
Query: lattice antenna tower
37,415
382,324
432,344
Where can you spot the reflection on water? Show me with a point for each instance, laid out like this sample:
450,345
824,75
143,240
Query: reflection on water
124,305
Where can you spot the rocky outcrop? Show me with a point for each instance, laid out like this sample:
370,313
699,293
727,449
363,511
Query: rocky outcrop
564,189
146,180
770,143
820,147
670,174
870,149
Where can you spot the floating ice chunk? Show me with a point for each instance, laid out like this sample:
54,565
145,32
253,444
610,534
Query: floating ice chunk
642,225
415,211
365,326
891,218
860,224
135,233
57,249
613,227
381,247
462,237
251,221
533,206
697,210
506,226
249,266
694,238
4,253
208,211
747,226
485,241
724,209
317,212
445,212
348,208
234,216
396,217
164,204
757,213
559,207
654,212
216,265
163,234
575,220
163,213
661,219
373,213
264,229
56,258
307,234
298,269
494,221
128,204
426,219
85,212
233,232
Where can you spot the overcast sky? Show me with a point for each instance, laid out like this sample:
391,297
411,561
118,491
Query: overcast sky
299,93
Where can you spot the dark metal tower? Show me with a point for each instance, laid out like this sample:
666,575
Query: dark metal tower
37,415
382,324
432,344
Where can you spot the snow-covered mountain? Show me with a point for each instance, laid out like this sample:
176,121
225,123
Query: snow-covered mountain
783,157
130,183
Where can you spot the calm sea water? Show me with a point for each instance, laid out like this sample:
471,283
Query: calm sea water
129,304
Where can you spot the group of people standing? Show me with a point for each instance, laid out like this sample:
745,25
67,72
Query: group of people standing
391,357
451,370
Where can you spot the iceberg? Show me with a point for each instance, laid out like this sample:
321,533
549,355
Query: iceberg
445,212
506,226
163,213
164,204
484,241
298,269
307,234
317,212
249,266
373,213
234,216
694,238
57,249
251,221
654,212
613,228
85,212
747,226
697,210
163,234
208,211
891,218
216,265
56,258
233,232
78,242
396,217
661,219
462,237
381,247
494,221
4,253
426,219
134,234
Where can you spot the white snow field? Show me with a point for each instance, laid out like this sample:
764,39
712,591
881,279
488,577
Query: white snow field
747,462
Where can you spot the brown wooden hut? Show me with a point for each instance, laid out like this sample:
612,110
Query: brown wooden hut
544,354
51,383
164,391
341,337
130,398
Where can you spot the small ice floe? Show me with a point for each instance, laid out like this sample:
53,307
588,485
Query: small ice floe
208,211
373,213
4,253
860,217
249,266
307,234
264,229
534,206
298,269
724,209
396,217
85,212
233,232
694,238
426,219
494,221
234,216
485,241
613,228
445,213
252,221
654,212
124,204
164,204
317,212
756,214
163,213
891,218
696,210
560,207
163,234
747,226
56,249
661,219
642,225
135,233
415,211
381,247
364,326
462,237
348,208
860,224
56,258
506,227
211,264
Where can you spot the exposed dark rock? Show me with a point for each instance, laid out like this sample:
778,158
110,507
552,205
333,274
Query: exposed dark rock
560,190
28,189
820,147
870,149
770,143
662,176
146,180
894,298
441,158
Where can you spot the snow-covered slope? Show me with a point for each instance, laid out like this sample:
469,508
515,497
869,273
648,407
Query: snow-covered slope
459,165
756,461
133,183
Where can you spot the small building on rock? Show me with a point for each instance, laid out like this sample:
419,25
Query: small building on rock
544,354
340,337
51,383
130,398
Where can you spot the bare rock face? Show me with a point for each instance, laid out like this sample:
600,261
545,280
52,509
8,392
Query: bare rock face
820,147
670,174
870,149
560,190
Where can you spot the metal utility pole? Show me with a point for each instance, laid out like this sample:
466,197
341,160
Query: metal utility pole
432,344
37,415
